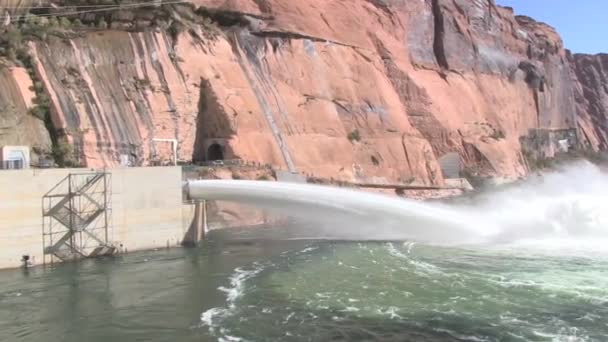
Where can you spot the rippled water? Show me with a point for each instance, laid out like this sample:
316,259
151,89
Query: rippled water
151,296
312,291
398,292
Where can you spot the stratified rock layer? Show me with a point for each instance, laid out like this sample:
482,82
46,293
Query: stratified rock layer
592,98
17,125
357,90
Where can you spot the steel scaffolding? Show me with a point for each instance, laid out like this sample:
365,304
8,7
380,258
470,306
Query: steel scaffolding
77,217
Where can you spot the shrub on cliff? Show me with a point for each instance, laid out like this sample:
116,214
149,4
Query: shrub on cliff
10,41
40,111
64,22
354,136
53,22
175,29
63,153
498,135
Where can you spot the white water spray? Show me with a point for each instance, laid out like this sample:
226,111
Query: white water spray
343,214
566,207
563,210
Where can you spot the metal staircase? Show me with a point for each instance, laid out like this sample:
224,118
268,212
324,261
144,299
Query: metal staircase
76,217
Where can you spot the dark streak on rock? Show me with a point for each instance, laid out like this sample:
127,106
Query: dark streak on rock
438,44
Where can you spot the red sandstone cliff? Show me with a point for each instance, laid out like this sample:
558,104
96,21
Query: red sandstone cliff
591,91
17,124
358,90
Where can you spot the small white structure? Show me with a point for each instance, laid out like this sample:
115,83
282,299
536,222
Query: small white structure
125,161
290,177
14,157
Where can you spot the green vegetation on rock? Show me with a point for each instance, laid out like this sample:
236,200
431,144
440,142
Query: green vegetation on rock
63,153
354,136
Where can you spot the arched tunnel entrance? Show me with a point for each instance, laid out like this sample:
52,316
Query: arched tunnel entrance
215,152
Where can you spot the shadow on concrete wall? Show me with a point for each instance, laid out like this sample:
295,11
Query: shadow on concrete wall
196,230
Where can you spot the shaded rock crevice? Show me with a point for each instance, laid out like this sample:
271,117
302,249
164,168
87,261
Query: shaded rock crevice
535,78
478,163
591,93
212,121
439,35
406,153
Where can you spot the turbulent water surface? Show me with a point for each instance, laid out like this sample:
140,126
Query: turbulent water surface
525,264
312,291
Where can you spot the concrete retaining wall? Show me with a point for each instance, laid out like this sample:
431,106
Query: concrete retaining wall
147,210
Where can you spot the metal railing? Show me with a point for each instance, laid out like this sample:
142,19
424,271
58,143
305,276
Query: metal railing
16,164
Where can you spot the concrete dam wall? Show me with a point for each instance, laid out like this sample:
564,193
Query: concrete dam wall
146,210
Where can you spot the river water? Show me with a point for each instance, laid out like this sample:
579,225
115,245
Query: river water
304,291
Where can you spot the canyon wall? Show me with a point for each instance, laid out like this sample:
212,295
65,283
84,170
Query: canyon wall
355,90
591,91
18,124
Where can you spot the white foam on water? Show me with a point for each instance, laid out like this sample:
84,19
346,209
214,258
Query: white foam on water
420,266
589,317
237,283
288,317
391,312
213,317
564,335
229,338
208,317
410,246
308,250
395,252
462,337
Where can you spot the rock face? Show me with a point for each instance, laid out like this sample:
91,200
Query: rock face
355,90
592,98
17,124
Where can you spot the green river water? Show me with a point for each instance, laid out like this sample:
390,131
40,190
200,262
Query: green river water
311,291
